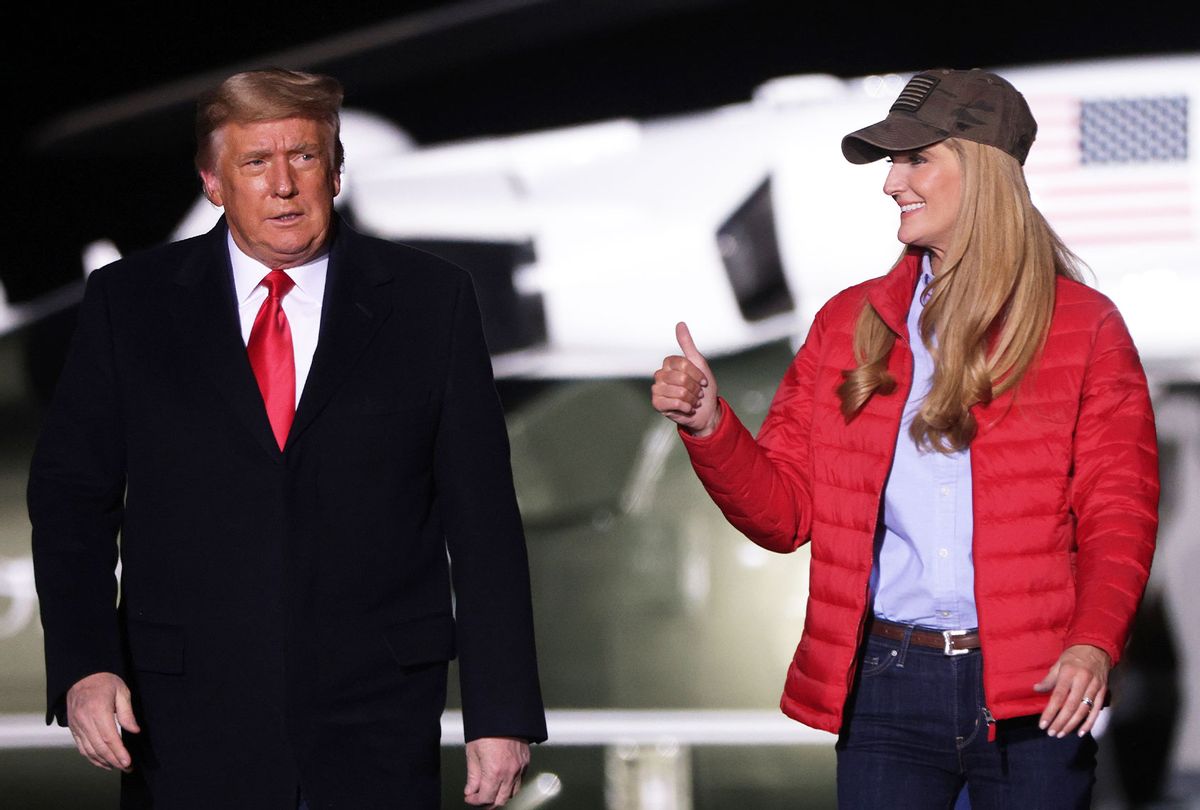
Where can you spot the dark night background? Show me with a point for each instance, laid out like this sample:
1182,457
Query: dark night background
515,66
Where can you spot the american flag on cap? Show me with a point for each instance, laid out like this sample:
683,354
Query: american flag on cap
914,93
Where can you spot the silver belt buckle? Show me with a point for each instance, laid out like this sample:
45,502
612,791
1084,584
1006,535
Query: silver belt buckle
947,638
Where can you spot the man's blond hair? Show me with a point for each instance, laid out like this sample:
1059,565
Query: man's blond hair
268,95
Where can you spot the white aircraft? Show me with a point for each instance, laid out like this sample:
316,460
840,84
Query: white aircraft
743,220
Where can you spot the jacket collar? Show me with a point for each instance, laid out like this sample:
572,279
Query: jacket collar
892,295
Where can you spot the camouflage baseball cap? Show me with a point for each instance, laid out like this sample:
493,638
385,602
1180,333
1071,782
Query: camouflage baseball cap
938,104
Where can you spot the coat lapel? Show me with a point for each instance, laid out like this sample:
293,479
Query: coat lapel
353,310
205,315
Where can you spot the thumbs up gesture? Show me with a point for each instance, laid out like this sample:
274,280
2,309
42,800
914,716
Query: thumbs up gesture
685,390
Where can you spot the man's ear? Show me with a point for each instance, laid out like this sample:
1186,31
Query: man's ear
212,187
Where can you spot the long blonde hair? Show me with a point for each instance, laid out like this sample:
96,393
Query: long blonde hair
989,305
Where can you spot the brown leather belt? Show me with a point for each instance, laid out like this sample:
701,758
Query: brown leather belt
950,642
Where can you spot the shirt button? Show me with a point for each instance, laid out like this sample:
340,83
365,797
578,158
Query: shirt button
945,491
945,614
943,553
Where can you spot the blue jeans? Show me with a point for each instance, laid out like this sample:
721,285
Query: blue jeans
916,730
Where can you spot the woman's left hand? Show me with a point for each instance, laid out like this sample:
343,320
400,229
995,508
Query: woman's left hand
1080,672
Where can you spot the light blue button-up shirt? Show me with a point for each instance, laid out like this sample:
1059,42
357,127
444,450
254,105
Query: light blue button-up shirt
924,572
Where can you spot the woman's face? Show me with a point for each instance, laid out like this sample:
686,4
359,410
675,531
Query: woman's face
925,184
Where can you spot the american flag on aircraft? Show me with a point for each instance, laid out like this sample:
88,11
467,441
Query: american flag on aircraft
1113,171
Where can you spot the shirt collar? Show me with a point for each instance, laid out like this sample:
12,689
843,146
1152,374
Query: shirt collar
248,273
923,280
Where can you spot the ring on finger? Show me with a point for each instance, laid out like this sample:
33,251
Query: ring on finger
1087,701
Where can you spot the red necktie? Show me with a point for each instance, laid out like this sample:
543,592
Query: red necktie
271,357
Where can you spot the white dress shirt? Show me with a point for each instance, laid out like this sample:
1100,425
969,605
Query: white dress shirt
302,304
924,569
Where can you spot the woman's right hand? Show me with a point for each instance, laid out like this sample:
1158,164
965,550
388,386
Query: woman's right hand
685,390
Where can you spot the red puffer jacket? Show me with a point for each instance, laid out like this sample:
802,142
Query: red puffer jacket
1065,478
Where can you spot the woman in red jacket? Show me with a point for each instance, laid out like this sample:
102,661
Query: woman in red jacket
968,443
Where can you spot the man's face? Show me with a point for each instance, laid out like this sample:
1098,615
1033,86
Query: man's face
277,184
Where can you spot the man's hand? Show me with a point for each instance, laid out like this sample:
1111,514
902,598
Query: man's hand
494,769
685,390
92,704
1080,672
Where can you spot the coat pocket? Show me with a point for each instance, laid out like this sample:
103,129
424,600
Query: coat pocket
427,640
156,647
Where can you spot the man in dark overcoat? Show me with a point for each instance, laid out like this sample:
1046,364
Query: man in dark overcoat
272,499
